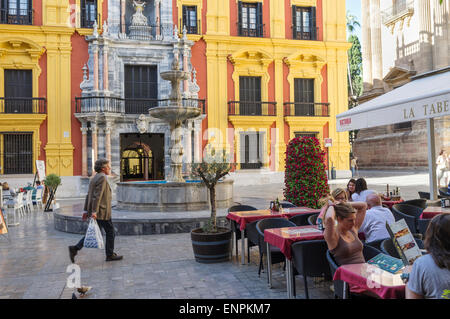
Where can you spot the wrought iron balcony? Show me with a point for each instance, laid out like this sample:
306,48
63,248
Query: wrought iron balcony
16,16
190,29
251,29
23,105
399,10
95,104
149,32
306,109
252,108
305,33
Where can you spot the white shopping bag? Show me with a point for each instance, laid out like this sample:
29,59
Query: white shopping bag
93,238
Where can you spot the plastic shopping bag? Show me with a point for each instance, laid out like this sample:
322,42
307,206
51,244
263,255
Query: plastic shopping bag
93,238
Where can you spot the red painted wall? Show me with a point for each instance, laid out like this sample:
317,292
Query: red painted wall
233,18
37,15
266,18
79,57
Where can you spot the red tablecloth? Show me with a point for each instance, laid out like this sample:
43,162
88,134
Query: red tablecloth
390,203
242,218
432,211
283,238
363,278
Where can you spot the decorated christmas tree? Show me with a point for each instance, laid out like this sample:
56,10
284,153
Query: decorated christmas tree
305,179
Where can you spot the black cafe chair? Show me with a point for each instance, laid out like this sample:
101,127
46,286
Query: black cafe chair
309,259
301,219
376,243
252,238
286,204
313,218
421,202
409,213
276,255
234,227
423,225
443,192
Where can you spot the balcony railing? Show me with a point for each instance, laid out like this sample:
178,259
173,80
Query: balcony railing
252,108
251,29
23,105
93,104
150,32
398,10
306,109
196,29
308,34
16,16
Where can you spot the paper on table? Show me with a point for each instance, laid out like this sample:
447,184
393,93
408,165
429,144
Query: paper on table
301,231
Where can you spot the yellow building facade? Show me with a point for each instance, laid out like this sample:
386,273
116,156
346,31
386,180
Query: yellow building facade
36,43
276,44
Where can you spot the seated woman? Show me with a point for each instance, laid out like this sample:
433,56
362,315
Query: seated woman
430,274
342,240
361,190
339,195
350,189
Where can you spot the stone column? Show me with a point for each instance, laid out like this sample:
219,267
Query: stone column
84,154
94,140
426,49
122,17
366,45
108,130
186,67
188,143
105,68
95,51
375,36
158,19
197,143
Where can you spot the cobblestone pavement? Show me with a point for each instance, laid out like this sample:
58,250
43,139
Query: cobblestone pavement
34,263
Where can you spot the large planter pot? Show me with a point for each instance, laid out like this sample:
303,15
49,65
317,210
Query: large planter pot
211,248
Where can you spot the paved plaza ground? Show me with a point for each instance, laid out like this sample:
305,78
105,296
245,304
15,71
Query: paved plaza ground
34,263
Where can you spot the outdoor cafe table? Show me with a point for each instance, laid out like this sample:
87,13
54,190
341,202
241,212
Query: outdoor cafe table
432,211
369,278
245,217
283,238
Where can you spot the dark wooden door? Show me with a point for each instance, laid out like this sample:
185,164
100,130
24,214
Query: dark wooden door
250,95
304,97
141,88
251,150
18,91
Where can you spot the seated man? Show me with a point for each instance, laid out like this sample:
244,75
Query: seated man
38,186
374,224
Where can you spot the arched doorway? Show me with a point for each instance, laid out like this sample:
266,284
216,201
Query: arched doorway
137,162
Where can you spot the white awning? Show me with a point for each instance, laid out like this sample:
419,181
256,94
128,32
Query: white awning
426,97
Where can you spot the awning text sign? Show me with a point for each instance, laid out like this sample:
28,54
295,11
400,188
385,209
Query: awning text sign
431,107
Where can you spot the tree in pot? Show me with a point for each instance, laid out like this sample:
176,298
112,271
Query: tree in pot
52,182
215,166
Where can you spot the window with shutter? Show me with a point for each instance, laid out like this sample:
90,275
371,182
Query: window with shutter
88,13
250,19
16,12
304,97
17,152
251,150
190,19
304,23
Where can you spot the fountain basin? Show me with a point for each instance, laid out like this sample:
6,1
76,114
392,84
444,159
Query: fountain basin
166,196
173,114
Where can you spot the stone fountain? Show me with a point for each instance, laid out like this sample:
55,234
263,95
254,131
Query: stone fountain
175,114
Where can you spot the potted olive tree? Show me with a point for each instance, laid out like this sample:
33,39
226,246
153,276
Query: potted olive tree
212,243
52,182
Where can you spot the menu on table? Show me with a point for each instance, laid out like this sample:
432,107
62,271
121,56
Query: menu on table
404,241
388,263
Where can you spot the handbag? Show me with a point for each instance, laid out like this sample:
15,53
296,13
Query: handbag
93,238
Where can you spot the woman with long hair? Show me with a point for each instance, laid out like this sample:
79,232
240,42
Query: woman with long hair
361,190
430,274
350,189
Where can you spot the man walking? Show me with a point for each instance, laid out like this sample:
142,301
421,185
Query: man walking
98,206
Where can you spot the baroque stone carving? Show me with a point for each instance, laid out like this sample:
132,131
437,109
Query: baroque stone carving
142,124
